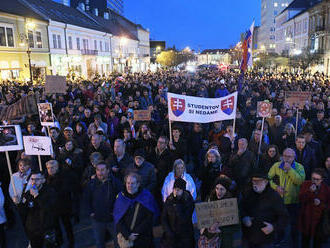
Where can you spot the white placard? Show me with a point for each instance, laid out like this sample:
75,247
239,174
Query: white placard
201,110
10,138
38,145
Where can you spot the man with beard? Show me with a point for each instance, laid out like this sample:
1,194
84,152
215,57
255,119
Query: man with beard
263,213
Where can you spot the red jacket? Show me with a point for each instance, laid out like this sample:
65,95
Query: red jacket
310,214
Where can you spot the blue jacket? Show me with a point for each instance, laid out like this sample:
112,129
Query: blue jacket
101,197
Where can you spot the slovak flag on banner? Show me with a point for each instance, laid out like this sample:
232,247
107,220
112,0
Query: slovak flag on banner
247,50
201,110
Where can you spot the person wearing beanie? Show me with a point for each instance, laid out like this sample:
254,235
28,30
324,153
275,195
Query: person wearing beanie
177,217
227,236
146,171
264,215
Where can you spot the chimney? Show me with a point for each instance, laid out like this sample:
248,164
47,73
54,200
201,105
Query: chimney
106,15
87,5
66,2
96,12
81,6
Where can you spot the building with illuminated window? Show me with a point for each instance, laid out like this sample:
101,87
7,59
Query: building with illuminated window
269,10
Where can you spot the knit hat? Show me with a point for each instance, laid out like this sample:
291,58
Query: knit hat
180,183
139,153
224,181
260,174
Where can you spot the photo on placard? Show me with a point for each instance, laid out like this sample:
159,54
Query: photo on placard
10,138
46,114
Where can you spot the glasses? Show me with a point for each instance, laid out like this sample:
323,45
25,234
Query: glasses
316,179
288,156
36,179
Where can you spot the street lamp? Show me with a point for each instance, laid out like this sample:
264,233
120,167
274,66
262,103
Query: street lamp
25,42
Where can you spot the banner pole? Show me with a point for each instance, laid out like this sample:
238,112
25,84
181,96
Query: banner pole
39,160
297,117
262,131
170,129
10,172
234,126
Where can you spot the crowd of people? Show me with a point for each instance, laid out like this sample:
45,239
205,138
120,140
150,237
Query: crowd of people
130,176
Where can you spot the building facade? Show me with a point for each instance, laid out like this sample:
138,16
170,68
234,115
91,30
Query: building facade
319,33
292,32
19,37
269,10
101,5
215,57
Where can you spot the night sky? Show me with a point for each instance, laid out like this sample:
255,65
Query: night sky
198,24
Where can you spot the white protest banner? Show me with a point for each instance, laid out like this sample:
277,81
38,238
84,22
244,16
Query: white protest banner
224,212
38,145
201,110
10,138
55,84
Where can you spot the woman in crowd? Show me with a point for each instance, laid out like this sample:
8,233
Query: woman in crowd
288,138
80,136
179,171
270,157
314,197
226,236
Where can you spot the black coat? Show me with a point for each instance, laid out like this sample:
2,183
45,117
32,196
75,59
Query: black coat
124,165
66,186
307,159
104,149
177,221
242,167
39,212
101,197
267,206
148,175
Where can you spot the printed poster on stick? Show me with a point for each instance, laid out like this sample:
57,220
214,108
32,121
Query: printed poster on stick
46,114
37,145
142,115
224,212
297,99
264,109
10,138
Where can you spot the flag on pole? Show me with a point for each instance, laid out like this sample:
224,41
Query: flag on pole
247,50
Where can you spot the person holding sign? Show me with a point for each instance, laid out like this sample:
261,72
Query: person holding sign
177,217
225,236
263,213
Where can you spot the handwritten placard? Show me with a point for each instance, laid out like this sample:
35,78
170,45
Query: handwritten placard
55,84
297,99
142,115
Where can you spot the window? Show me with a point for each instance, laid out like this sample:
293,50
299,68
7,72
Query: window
275,12
95,44
101,48
2,37
30,38
70,42
10,37
106,46
39,41
78,43
59,41
54,41
85,44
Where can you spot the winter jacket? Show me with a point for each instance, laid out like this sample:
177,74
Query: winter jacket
124,165
310,214
176,221
290,180
307,159
242,167
147,174
101,197
263,207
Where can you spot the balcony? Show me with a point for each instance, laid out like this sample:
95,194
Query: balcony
89,52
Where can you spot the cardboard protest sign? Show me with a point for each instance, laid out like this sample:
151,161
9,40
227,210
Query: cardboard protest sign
37,145
264,109
224,212
297,99
142,115
10,138
46,114
55,84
